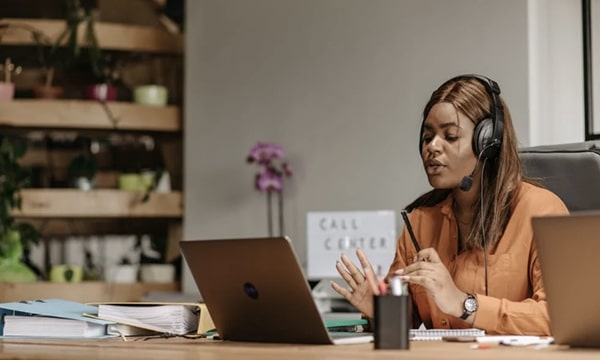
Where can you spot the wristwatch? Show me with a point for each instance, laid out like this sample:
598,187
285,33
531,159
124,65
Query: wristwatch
470,305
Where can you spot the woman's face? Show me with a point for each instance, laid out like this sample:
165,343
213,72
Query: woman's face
447,151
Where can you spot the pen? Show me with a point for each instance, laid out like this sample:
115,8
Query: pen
396,286
410,230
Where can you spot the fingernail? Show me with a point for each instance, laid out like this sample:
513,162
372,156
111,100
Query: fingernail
399,271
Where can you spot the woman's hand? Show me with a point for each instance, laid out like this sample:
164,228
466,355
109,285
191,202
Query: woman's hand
428,271
363,284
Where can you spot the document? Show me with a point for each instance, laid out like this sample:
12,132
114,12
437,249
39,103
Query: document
163,317
515,340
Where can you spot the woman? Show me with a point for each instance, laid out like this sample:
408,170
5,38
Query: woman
478,266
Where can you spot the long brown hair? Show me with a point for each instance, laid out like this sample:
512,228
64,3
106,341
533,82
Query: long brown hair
502,175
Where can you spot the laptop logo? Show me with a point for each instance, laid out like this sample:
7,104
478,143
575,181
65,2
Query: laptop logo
251,290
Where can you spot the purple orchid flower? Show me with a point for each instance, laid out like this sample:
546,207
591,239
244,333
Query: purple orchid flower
270,159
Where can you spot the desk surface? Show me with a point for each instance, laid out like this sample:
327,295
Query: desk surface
177,348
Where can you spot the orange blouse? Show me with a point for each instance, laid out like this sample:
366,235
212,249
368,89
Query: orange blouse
516,303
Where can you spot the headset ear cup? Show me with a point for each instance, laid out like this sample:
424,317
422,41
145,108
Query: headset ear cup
482,137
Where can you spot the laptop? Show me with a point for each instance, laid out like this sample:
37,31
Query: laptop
255,291
568,250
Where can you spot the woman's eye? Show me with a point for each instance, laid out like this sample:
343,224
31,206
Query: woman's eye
427,139
451,138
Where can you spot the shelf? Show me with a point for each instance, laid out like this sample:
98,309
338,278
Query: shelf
63,228
86,291
102,203
86,114
111,36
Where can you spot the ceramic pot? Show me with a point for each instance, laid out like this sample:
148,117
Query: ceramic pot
131,182
157,273
121,273
152,95
7,91
101,92
66,273
48,92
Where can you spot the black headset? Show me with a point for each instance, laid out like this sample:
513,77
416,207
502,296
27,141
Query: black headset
487,136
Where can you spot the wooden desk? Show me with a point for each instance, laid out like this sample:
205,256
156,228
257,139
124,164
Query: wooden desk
171,349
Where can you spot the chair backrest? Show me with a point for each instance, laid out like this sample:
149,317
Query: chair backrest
572,171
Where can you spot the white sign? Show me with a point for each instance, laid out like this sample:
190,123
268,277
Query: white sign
329,234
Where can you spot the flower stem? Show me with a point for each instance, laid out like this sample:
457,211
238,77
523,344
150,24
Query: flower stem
269,214
280,210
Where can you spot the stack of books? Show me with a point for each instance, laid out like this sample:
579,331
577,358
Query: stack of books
57,318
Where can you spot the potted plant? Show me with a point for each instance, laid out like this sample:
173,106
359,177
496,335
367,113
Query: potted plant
46,56
97,66
7,87
103,67
123,272
82,171
154,267
125,268
14,237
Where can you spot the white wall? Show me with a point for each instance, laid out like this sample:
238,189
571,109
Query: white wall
340,84
555,72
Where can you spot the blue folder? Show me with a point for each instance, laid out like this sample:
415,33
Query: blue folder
57,308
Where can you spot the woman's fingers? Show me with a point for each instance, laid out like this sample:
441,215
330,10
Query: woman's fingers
368,271
372,280
341,290
345,274
428,254
356,274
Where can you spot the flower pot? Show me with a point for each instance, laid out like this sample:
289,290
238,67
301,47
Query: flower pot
157,273
66,273
100,92
83,183
131,182
7,91
48,92
151,95
121,273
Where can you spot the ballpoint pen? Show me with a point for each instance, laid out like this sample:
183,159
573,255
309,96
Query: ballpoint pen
410,230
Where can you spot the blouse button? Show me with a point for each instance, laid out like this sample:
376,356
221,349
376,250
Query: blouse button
444,322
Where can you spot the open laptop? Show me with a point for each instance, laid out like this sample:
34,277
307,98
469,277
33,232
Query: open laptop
255,290
568,250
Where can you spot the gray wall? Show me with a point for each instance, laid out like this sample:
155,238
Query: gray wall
340,84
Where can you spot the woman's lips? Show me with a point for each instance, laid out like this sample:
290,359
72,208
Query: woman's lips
434,167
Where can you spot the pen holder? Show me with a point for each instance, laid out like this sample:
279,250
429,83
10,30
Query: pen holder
392,321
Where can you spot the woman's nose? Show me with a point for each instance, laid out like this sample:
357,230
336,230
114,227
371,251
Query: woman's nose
434,145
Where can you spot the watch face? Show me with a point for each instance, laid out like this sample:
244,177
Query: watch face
471,304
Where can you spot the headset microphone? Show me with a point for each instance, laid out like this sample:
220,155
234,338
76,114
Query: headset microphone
467,181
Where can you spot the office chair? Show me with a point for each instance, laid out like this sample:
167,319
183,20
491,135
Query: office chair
572,171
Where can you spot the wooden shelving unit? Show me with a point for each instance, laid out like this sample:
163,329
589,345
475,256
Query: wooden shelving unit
86,291
86,114
67,212
110,36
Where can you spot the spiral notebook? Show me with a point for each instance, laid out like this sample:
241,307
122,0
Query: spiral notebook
438,334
